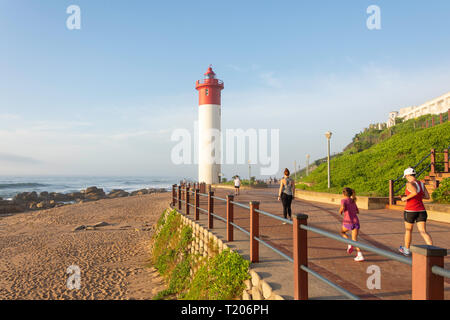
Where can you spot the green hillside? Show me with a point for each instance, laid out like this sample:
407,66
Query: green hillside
369,170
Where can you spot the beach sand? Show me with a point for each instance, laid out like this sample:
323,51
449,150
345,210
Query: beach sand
36,249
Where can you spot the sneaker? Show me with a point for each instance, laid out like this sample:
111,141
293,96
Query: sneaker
359,258
349,249
404,251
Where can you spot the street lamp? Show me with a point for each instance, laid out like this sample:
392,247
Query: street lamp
328,136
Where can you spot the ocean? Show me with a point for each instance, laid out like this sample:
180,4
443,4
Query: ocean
10,186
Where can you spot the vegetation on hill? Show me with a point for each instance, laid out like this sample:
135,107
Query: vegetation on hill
442,194
376,156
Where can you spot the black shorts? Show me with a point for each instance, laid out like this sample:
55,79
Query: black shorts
416,216
237,187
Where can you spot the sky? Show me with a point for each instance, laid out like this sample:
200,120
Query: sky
105,99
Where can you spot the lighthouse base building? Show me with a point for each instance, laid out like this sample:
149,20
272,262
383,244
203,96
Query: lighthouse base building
209,128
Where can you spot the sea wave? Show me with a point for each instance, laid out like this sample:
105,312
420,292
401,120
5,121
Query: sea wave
21,185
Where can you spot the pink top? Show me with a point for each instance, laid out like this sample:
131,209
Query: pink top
350,211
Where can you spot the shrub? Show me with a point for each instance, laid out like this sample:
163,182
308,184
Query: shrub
220,277
442,194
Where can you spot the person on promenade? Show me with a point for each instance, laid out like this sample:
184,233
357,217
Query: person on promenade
414,210
237,185
286,193
350,221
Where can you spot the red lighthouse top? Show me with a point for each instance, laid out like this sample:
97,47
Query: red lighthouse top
209,88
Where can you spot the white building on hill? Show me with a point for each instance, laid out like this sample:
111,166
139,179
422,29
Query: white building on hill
436,106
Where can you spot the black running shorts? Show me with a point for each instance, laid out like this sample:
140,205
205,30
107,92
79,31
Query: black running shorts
415,216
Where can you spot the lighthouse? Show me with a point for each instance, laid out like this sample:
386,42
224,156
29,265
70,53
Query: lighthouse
209,118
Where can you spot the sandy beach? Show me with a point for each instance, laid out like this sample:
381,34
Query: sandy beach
36,248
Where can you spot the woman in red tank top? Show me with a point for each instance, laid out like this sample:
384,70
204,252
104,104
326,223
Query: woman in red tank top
414,209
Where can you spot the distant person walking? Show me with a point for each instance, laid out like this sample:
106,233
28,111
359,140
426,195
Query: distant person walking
286,193
350,221
237,185
414,210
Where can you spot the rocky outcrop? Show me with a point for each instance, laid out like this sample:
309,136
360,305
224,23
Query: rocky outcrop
118,193
26,201
94,193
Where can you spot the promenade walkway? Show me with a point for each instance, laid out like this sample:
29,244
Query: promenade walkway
381,228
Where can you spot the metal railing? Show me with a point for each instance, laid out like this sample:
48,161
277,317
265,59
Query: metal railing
432,166
424,286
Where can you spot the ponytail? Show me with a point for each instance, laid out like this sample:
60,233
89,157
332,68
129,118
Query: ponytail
353,195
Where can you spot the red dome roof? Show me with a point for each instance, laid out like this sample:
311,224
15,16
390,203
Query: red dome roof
210,71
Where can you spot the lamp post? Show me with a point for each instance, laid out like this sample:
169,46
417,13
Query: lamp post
328,136
307,164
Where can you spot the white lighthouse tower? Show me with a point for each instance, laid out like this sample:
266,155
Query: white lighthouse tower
209,91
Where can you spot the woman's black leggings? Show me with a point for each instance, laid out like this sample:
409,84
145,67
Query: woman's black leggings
286,200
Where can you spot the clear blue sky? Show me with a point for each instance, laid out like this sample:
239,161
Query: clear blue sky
105,99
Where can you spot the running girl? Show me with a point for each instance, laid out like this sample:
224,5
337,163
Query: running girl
351,221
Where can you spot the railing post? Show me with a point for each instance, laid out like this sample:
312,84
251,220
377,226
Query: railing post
300,245
197,204
183,186
230,214
446,161
432,121
179,197
425,284
391,192
187,201
210,209
441,118
433,161
254,231
174,196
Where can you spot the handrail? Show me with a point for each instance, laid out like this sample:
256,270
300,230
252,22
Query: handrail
274,249
417,175
440,271
218,198
417,164
361,245
274,216
240,205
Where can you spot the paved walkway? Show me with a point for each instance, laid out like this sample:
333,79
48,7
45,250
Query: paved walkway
380,228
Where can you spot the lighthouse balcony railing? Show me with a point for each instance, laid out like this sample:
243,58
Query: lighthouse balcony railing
210,81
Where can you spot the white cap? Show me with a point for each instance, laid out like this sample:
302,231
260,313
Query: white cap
409,172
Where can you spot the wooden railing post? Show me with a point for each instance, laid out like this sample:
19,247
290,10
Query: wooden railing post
433,161
197,204
179,197
391,192
446,166
210,210
425,284
441,118
174,196
230,214
187,201
300,245
254,231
